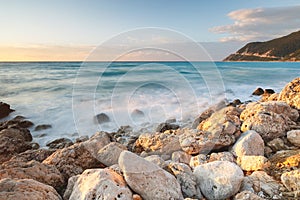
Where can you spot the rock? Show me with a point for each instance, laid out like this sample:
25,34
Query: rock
262,182
186,179
82,138
221,156
59,143
253,163
181,157
166,126
247,195
276,144
99,184
38,154
219,179
269,119
294,137
291,180
171,120
75,159
4,110
157,143
136,113
147,179
35,170
22,134
198,160
42,127
157,160
71,182
291,93
249,143
235,103
26,189
110,153
283,161
258,92
101,118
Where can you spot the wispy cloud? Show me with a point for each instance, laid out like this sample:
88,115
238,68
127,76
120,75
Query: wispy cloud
260,23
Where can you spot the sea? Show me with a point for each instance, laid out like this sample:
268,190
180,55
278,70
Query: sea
69,95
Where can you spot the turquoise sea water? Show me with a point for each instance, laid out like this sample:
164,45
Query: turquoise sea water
68,95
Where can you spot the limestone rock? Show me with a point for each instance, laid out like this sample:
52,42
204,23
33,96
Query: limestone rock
147,179
26,189
276,144
186,179
4,110
294,137
156,159
75,159
291,93
247,195
219,179
269,119
100,184
110,153
200,159
249,143
221,156
46,174
181,157
71,182
59,143
253,163
291,180
37,154
262,182
166,126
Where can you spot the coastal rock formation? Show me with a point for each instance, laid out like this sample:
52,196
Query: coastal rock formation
46,174
36,154
59,143
147,179
4,110
249,143
219,179
26,189
291,93
98,184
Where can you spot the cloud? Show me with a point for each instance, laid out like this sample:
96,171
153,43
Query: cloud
260,23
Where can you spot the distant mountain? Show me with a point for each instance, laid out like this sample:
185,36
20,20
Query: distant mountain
286,48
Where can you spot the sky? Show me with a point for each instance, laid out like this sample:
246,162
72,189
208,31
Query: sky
67,30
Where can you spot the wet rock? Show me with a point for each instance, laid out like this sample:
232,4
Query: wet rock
137,114
101,118
22,134
264,183
235,103
247,195
110,153
219,179
5,110
75,159
157,143
221,156
181,157
186,179
294,137
171,120
82,138
166,126
147,179
291,93
269,91
42,127
253,163
258,92
249,143
59,143
198,160
269,119
26,189
99,184
291,180
156,160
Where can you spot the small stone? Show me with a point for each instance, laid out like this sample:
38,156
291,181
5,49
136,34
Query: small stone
59,143
4,110
101,118
276,144
198,160
291,180
42,127
110,153
247,195
156,159
253,163
221,156
181,157
294,137
258,92
166,126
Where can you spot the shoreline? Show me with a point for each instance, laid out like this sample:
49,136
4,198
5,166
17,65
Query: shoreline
255,144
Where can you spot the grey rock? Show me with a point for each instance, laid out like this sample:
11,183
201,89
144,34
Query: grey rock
101,118
291,180
110,153
294,137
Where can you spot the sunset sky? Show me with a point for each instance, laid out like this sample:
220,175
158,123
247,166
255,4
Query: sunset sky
68,30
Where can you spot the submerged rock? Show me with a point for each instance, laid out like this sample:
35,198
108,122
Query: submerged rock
5,110
98,184
147,179
291,93
219,179
42,127
26,189
101,118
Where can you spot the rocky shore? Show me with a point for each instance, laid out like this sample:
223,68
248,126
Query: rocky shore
234,151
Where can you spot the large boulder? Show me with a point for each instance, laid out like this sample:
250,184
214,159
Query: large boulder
35,170
291,93
4,110
269,119
98,184
249,143
26,189
75,159
219,179
147,179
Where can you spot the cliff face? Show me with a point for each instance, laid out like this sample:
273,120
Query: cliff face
286,48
